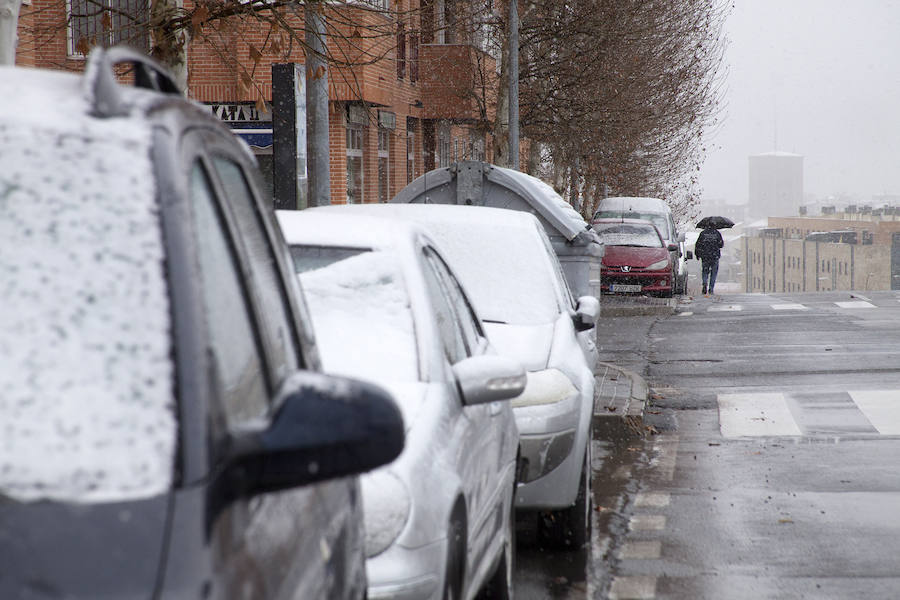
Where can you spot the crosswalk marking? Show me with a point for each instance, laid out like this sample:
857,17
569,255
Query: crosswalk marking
770,414
753,415
635,587
855,304
726,308
789,306
882,409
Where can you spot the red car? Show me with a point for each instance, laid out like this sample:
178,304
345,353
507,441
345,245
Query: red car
636,261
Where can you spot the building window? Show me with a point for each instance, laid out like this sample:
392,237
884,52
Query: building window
384,164
354,164
401,50
413,57
107,23
443,145
410,150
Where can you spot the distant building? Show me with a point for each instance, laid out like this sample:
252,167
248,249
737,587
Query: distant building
849,250
776,184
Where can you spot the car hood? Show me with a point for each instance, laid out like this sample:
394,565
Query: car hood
633,256
52,550
528,344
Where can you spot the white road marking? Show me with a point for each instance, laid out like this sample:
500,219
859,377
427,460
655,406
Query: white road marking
636,550
882,409
647,523
726,308
686,313
666,450
652,499
638,587
789,306
855,304
747,415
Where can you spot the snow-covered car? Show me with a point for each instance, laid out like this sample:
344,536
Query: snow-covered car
637,260
656,211
387,308
161,396
506,262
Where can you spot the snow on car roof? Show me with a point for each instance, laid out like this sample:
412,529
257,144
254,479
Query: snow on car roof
517,285
86,411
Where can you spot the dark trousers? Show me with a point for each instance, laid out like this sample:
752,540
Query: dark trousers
710,270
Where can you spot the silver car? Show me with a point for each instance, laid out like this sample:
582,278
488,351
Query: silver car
387,308
506,261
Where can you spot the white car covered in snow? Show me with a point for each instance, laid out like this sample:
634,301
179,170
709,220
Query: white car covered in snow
506,262
386,307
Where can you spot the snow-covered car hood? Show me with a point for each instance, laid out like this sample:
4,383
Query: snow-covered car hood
528,344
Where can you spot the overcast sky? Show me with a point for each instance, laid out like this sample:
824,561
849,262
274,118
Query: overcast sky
822,77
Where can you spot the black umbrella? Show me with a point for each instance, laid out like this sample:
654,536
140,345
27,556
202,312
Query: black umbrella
715,223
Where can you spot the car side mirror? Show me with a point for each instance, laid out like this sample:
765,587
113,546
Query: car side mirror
587,313
672,247
689,255
489,377
325,427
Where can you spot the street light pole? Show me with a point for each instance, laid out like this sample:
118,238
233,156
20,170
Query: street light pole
319,180
513,84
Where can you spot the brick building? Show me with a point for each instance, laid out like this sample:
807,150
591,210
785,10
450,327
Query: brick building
418,92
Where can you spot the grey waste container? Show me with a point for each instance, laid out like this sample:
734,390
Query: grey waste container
479,183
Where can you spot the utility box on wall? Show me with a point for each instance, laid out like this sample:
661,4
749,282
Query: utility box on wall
289,136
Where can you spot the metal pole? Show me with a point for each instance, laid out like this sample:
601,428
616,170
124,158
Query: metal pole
319,182
513,85
9,23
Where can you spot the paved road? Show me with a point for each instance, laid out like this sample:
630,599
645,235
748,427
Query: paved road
775,472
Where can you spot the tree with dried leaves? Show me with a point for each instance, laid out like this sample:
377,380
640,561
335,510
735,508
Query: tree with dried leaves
617,96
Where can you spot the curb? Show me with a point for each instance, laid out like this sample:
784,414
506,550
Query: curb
637,307
621,411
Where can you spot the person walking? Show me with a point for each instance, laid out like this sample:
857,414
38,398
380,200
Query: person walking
708,249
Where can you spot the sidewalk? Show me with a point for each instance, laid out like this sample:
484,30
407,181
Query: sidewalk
619,399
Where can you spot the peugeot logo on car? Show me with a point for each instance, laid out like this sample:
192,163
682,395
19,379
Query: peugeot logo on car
626,268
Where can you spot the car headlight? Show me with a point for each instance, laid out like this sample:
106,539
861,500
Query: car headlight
545,387
658,265
386,507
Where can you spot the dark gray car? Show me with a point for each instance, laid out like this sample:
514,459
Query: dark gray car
159,396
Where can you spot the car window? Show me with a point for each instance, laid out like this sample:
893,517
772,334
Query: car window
281,353
565,292
232,340
310,257
628,234
516,285
471,330
361,312
448,327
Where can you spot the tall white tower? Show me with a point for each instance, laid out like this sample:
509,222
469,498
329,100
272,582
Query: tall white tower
776,184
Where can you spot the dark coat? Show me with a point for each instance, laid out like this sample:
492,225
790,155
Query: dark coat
709,244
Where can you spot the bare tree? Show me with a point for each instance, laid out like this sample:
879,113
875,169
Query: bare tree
616,94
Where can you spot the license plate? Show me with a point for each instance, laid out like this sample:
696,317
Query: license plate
620,287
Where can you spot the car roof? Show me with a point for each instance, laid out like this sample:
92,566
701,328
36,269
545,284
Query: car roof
640,203
326,228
